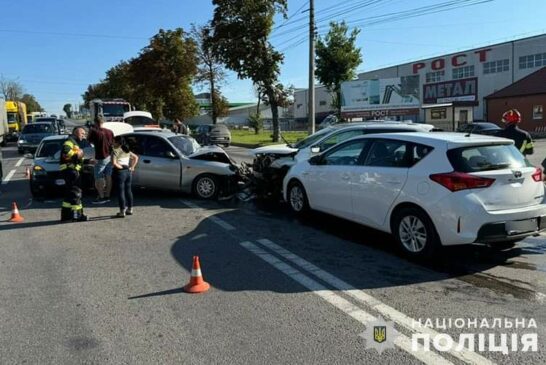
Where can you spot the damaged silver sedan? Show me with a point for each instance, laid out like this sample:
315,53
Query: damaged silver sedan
176,162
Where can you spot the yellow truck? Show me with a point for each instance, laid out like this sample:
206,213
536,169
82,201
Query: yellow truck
17,118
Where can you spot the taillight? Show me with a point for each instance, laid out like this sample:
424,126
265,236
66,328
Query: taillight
456,181
537,175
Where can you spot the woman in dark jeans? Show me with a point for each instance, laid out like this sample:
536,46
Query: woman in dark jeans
124,162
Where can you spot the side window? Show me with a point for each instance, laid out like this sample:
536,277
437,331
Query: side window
156,147
346,155
136,144
388,153
418,152
338,138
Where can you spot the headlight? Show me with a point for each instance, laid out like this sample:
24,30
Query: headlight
20,141
38,170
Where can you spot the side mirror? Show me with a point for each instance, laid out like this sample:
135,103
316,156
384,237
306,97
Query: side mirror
315,149
316,160
172,155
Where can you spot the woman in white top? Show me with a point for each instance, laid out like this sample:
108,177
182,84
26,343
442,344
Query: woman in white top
123,162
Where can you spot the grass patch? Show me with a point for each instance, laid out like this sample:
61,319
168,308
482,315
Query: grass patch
263,138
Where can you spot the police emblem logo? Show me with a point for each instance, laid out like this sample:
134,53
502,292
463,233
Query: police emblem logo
380,334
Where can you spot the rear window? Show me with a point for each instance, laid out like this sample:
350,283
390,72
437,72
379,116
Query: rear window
221,128
486,158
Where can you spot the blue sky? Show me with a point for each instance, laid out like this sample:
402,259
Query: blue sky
55,48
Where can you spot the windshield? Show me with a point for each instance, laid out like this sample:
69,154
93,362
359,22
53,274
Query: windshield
312,138
49,149
12,117
114,110
38,128
139,121
186,145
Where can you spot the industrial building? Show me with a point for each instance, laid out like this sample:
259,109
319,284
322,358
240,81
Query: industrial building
444,90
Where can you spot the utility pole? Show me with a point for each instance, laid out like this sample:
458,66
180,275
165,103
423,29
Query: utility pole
311,100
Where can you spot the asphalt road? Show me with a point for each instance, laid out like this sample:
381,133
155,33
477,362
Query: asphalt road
284,290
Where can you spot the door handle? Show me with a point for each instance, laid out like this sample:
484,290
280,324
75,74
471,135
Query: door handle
146,161
346,177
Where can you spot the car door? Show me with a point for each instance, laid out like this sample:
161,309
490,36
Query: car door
159,165
328,183
380,180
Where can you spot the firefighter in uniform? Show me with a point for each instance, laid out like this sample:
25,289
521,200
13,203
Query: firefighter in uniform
71,164
521,138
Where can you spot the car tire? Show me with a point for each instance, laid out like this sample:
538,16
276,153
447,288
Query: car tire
20,151
297,198
415,233
206,187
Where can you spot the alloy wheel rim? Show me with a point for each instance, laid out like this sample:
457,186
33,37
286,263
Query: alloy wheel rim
205,187
296,198
413,234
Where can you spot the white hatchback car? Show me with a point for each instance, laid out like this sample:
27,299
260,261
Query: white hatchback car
425,188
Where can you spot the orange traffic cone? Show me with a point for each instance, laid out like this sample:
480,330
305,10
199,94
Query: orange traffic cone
196,284
27,173
15,216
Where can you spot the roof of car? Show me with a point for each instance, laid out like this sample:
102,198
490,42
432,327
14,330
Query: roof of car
154,132
438,138
375,124
59,137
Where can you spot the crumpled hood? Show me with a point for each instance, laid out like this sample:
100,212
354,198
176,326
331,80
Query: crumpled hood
278,149
207,149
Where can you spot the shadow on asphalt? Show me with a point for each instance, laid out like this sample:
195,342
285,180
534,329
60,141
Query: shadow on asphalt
360,256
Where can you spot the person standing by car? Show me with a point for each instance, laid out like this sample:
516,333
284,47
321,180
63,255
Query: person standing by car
522,139
102,139
124,162
70,165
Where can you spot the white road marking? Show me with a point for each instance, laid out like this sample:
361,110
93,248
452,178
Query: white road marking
7,179
19,162
386,311
402,341
209,214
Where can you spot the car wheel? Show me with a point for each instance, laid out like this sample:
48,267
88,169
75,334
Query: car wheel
206,187
20,151
415,233
297,198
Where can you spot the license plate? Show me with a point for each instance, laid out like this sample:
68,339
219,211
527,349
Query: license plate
516,227
59,182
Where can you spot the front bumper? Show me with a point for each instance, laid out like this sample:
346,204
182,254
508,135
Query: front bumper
52,183
31,147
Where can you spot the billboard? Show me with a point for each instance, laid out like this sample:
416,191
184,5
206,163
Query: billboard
450,91
381,95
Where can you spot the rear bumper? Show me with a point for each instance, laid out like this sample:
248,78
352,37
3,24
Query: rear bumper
499,232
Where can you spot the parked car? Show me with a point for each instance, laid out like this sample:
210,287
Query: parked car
426,189
218,134
46,178
32,135
271,163
486,128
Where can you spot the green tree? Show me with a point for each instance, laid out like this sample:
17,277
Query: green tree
337,58
210,69
256,122
240,39
220,106
31,103
67,108
162,75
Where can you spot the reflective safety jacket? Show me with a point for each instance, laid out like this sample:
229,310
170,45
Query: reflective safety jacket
521,138
69,155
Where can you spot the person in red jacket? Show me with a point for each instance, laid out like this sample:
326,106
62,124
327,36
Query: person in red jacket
102,139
